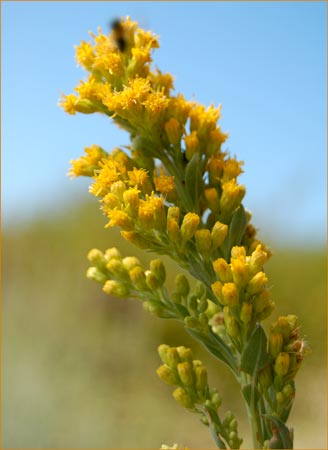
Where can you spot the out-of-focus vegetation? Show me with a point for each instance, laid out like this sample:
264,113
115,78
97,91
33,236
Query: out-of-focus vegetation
79,368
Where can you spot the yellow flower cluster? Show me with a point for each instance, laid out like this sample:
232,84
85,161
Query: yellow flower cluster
242,289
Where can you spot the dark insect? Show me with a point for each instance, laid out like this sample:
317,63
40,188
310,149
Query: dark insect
118,33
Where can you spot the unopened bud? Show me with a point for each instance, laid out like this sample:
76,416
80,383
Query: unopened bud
152,281
222,269
203,241
201,377
230,294
218,234
96,257
182,397
212,198
158,269
265,377
217,291
246,313
261,300
185,354
275,343
93,273
281,365
138,278
232,195
185,373
136,239
189,225
169,355
257,260
239,272
129,262
118,188
173,230
116,268
257,283
231,323
156,309
192,144
182,285
115,288
131,201
173,130
168,375
112,253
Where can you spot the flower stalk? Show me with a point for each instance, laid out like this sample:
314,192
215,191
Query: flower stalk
175,191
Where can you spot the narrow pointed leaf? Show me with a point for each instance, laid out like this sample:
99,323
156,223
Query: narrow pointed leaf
255,356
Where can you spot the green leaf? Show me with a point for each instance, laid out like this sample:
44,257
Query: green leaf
254,356
217,348
281,433
182,310
194,178
237,230
251,394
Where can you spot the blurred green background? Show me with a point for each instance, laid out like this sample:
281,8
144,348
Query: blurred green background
79,367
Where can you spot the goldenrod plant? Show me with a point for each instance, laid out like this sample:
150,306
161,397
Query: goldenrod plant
174,191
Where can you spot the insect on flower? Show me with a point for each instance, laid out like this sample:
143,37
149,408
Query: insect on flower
119,35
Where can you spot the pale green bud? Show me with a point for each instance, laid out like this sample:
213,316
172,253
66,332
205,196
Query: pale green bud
156,309
152,281
182,285
115,288
112,253
129,262
192,303
199,289
96,257
138,278
289,391
168,375
185,373
265,377
158,269
216,400
202,305
182,397
93,273
116,268
280,398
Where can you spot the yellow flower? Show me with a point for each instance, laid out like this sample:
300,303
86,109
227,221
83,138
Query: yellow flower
164,183
86,165
139,179
85,54
121,219
106,176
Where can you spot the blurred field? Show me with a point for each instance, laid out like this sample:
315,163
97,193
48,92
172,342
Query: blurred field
79,368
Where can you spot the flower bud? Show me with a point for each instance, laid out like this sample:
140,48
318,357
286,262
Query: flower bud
275,344
182,285
231,323
216,400
222,269
280,398
289,391
239,272
185,373
257,283
156,309
182,397
136,239
189,225
168,375
203,241
112,253
173,230
201,377
261,300
131,201
118,188
218,234
185,354
152,281
115,288
232,195
281,365
265,377
192,144
116,268
173,212
96,257
230,294
173,130
130,262
138,278
158,269
212,198
192,303
217,291
246,313
257,260
238,252
169,355
93,273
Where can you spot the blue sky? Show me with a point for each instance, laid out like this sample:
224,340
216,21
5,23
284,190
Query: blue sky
265,62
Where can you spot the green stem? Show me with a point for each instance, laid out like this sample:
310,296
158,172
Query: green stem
253,415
